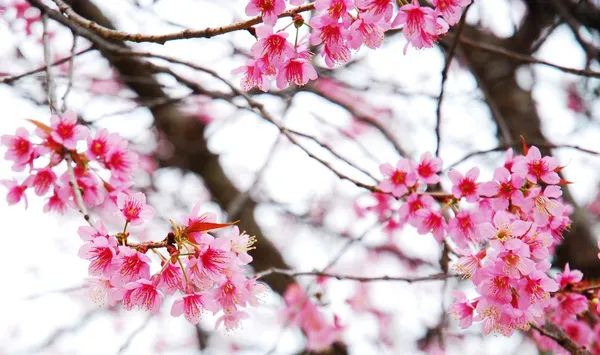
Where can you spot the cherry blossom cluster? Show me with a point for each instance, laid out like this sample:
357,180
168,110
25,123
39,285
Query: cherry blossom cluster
340,26
502,232
208,273
101,172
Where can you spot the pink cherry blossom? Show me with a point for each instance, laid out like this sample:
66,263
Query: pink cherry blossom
431,221
420,24
16,192
144,294
268,9
428,168
131,265
503,189
120,160
254,76
535,168
192,305
231,319
376,10
58,201
20,149
568,277
368,33
462,309
334,9
240,244
66,131
88,233
171,278
397,181
333,35
42,181
296,71
134,208
451,10
465,186
102,253
274,46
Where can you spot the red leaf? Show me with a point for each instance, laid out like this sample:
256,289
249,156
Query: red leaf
200,226
40,125
525,148
564,182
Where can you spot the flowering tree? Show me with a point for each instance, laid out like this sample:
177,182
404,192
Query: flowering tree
395,190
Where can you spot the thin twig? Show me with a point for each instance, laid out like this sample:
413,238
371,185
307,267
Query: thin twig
70,75
47,56
292,273
449,57
77,192
185,34
554,332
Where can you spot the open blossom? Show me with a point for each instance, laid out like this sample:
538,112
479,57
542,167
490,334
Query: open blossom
42,181
568,277
66,131
334,9
254,76
503,189
134,208
101,252
192,305
16,191
120,160
451,10
428,169
268,9
131,265
333,35
20,149
273,46
535,168
376,10
240,244
171,278
99,145
420,24
462,309
58,201
144,294
431,221
397,181
368,33
465,186
296,71
88,233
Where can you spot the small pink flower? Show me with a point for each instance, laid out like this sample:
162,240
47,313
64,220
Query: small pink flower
16,192
296,71
465,186
466,227
99,146
131,265
192,305
144,294
273,46
231,292
503,189
88,233
462,309
334,9
42,181
469,265
568,277
268,9
58,201
211,262
103,292
120,160
66,131
376,10
333,35
397,181
171,278
101,252
535,168
431,221
367,33
254,76
134,208
20,150
451,10
231,319
512,257
240,244
428,168
420,24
